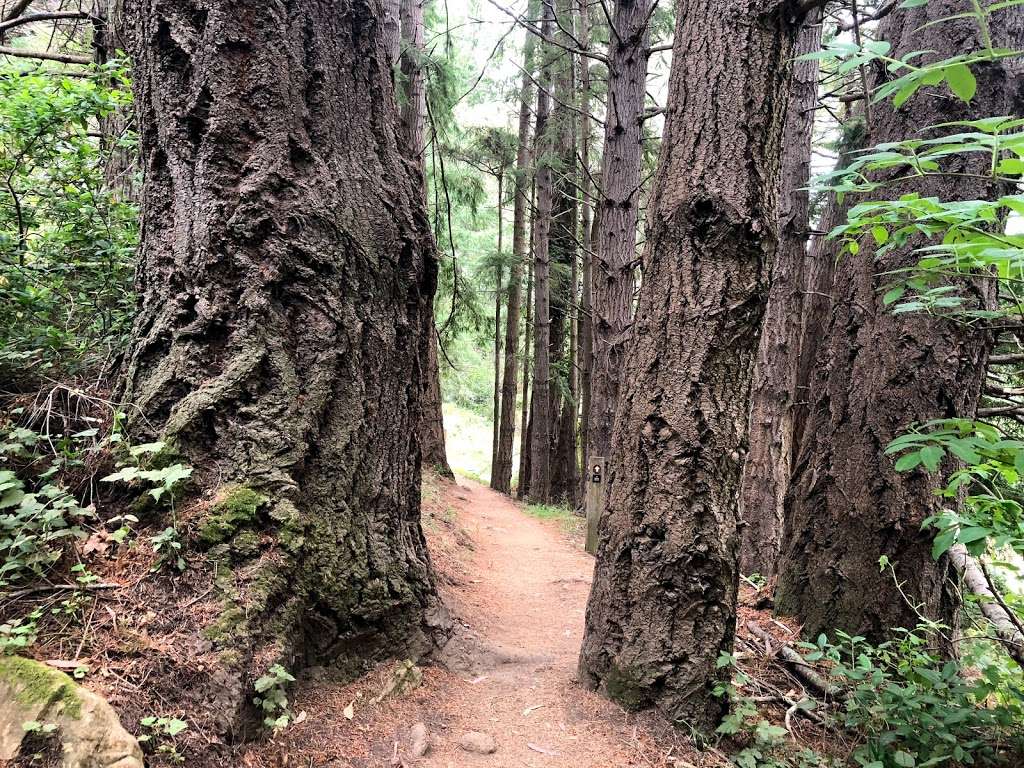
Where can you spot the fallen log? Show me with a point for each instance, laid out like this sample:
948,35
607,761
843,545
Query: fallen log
1005,624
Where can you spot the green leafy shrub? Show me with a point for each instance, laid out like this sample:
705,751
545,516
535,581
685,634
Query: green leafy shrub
273,698
913,707
37,516
66,239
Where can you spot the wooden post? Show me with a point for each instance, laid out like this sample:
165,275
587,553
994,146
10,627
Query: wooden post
595,500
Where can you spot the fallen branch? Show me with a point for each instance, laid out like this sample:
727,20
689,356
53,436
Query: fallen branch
63,58
800,667
991,605
58,588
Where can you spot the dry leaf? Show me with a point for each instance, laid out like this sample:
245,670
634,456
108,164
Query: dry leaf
61,664
542,750
350,711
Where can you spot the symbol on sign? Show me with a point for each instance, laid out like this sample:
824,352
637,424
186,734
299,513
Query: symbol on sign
596,476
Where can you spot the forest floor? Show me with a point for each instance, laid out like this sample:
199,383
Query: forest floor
517,589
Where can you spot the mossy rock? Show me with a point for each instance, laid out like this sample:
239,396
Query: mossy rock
90,734
37,685
236,509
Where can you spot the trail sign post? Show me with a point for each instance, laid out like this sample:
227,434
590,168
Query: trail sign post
596,481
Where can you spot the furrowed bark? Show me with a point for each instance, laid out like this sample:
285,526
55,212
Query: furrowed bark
878,372
285,272
768,463
663,604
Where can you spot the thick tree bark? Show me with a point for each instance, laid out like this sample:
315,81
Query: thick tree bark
663,605
773,394
540,410
285,268
818,279
501,477
877,373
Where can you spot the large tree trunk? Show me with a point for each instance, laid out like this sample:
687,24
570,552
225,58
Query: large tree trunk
540,410
414,122
818,279
663,605
619,205
501,477
876,374
773,395
285,268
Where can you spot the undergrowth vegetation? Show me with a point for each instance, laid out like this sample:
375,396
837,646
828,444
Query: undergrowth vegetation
67,233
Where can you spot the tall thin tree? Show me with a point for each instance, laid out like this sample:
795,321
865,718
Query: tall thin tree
414,121
614,260
541,417
564,250
501,477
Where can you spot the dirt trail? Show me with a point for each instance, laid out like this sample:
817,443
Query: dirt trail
517,589
527,597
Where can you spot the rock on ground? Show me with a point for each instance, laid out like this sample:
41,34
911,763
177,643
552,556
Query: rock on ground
478,742
419,740
89,731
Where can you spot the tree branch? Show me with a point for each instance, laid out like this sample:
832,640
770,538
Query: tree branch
19,7
63,58
33,17
534,30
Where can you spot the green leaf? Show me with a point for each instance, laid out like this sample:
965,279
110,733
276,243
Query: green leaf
931,457
908,461
904,759
138,450
893,294
961,81
943,542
